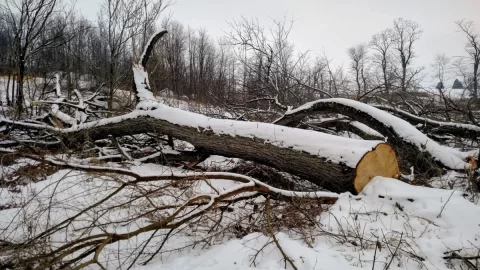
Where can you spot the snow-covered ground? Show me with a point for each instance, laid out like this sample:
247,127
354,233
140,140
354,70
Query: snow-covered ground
420,226
417,226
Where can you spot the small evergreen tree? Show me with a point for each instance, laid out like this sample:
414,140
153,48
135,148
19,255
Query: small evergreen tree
457,84
440,86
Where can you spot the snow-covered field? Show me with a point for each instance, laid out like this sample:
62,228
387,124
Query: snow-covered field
419,225
390,223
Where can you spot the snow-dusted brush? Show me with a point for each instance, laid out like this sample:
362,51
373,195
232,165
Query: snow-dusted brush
63,112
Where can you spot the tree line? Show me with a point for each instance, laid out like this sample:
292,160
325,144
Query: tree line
251,64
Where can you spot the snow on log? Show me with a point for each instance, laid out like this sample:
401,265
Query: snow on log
149,47
142,88
140,77
365,129
338,164
410,144
55,110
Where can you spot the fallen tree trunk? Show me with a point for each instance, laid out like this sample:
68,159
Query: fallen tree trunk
335,163
413,147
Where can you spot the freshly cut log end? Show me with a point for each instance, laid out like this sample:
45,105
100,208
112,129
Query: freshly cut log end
381,161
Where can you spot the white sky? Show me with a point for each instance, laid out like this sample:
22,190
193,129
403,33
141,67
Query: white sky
333,25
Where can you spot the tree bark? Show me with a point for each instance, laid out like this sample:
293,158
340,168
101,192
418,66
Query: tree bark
475,78
380,161
20,94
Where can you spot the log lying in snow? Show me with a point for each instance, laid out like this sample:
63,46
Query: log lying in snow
336,163
413,147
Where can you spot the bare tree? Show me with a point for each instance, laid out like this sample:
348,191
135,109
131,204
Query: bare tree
6,40
462,69
381,44
406,33
358,56
269,63
473,50
175,49
29,20
441,68
124,20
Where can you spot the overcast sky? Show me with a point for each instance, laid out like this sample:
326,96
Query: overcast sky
333,25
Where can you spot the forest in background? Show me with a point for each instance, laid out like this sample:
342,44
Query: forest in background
251,63
136,142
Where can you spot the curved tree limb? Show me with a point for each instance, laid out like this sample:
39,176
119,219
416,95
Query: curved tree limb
413,147
439,127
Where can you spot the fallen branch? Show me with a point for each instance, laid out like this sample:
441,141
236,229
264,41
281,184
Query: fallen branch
439,127
413,147
272,234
